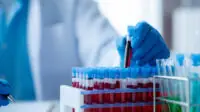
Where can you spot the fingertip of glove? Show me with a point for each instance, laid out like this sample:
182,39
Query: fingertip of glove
121,42
142,24
130,30
3,100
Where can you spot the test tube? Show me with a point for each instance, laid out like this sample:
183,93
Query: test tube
118,82
107,85
145,81
136,96
101,84
162,83
195,73
129,84
95,96
89,84
123,86
140,84
180,72
73,81
134,85
147,84
112,82
81,78
154,72
127,76
73,77
78,78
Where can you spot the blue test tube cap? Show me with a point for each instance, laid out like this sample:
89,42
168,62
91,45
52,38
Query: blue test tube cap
128,72
94,72
146,72
106,73
124,73
116,72
111,73
90,73
195,59
180,59
73,71
139,72
101,73
134,72
154,71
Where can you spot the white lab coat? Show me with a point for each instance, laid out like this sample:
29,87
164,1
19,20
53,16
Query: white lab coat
63,34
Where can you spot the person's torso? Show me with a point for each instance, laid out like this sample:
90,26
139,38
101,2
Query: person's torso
58,50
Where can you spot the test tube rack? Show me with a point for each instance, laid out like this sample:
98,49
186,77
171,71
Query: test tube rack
74,98
187,104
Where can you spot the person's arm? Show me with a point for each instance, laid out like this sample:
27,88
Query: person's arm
95,35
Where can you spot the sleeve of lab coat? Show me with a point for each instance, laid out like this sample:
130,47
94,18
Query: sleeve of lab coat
95,35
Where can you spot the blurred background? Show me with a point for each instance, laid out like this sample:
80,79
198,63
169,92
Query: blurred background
177,20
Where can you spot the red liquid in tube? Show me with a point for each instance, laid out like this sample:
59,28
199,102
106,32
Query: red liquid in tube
145,86
117,96
129,94
158,94
106,96
129,97
139,97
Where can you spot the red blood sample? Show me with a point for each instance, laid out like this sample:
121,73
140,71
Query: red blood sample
139,97
100,96
129,94
159,108
106,96
112,87
117,96
148,96
134,94
129,109
99,85
74,83
89,99
95,96
148,108
158,94
137,109
112,101
145,94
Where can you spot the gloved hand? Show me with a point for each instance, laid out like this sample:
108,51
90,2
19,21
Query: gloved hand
4,92
147,45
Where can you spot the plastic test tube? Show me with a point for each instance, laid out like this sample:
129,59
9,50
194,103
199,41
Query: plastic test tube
195,73
136,96
107,86
158,94
95,81
147,84
73,81
89,84
139,84
129,84
73,77
125,96
117,80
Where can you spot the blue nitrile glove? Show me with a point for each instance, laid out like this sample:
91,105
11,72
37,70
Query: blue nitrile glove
147,45
4,92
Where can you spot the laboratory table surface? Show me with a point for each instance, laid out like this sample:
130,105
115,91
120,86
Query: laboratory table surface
38,106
